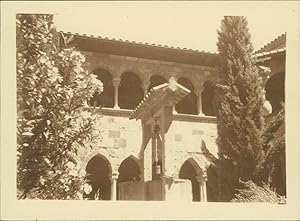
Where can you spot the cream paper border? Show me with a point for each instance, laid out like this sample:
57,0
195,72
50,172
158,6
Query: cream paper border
12,209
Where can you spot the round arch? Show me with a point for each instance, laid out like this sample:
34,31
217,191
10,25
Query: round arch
188,105
106,97
190,170
98,174
130,91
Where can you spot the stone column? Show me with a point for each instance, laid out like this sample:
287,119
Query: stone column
202,187
199,179
113,185
116,82
199,101
204,191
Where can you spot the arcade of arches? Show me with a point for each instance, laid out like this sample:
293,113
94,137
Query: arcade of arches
105,183
127,91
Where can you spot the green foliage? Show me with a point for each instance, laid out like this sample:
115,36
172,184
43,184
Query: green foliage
272,169
253,193
52,90
239,104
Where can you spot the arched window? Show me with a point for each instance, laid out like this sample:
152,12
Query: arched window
188,105
98,177
156,80
207,97
189,172
275,90
106,98
130,91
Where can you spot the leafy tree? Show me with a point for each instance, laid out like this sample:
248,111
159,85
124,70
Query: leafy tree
257,193
272,169
52,123
239,106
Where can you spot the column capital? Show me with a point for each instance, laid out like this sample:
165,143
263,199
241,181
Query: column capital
199,90
204,175
114,175
199,179
116,81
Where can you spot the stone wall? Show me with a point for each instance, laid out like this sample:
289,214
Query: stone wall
183,142
120,138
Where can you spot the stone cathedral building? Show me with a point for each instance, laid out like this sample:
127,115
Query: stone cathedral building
156,112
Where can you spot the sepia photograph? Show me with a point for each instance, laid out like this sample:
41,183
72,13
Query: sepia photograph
163,102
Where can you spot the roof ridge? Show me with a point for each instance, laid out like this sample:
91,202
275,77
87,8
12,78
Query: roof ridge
139,43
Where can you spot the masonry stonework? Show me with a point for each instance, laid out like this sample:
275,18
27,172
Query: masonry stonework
157,156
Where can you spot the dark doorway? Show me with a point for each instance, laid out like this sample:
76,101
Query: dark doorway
188,171
98,176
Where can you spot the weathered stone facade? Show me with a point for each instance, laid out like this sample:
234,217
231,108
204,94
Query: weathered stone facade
127,145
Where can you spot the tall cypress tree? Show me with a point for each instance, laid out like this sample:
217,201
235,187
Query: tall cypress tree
239,104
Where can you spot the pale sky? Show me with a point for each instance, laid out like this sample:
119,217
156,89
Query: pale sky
180,24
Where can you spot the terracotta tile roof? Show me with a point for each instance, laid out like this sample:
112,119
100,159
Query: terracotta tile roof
277,43
142,50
